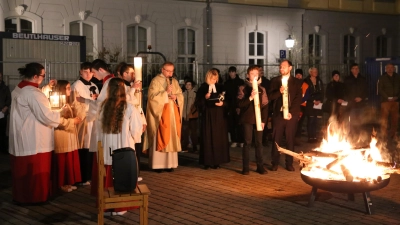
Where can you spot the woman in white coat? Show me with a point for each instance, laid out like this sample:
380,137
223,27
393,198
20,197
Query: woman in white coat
31,137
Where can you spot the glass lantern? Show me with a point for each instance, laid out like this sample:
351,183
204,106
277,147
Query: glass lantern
57,99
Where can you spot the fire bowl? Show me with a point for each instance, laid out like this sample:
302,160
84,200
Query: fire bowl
345,186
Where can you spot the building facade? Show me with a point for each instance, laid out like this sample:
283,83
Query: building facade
220,33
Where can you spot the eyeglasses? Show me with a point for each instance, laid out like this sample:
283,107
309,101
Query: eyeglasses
169,71
44,75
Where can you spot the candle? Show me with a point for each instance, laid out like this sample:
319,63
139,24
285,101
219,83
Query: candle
137,61
285,98
54,101
257,104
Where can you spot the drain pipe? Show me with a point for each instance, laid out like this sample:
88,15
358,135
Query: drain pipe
208,36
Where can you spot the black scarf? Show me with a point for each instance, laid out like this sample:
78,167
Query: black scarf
85,82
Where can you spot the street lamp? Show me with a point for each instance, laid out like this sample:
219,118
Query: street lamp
289,42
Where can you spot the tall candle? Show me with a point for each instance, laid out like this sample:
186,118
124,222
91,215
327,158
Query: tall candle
257,105
137,62
285,98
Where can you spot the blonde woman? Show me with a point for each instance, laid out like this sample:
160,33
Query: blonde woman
214,145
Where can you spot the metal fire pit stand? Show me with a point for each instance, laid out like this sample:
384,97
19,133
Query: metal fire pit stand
350,197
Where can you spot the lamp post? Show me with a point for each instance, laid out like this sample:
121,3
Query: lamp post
289,42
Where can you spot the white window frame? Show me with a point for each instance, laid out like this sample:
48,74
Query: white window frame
186,56
97,29
315,56
19,22
256,57
347,59
35,19
150,28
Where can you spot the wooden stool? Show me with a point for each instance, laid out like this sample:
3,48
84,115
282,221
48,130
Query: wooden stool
110,199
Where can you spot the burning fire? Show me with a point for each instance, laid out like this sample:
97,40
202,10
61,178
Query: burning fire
336,159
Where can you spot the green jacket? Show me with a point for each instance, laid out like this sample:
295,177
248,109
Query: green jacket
389,86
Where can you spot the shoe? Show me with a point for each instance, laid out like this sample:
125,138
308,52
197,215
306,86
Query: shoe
118,213
245,172
261,170
170,170
72,187
233,145
139,179
158,170
216,167
85,183
290,168
65,188
241,145
274,168
108,213
184,150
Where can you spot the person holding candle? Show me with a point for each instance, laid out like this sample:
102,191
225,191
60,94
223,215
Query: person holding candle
66,143
164,120
86,92
132,87
214,144
247,95
31,137
285,112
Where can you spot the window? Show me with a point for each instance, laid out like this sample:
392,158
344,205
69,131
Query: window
82,29
136,40
256,52
18,25
349,49
186,52
381,46
314,49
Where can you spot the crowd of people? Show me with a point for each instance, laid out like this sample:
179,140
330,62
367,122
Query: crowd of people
55,149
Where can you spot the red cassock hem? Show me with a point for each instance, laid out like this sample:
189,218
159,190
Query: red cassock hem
31,177
108,182
68,168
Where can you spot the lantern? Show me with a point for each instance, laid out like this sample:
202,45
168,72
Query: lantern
57,99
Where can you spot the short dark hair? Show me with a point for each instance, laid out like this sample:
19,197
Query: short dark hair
232,69
335,72
298,71
353,65
99,63
286,60
86,65
30,70
253,67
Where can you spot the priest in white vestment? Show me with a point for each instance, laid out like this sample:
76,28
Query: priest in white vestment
164,118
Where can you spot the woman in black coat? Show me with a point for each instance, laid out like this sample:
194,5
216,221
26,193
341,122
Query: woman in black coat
315,92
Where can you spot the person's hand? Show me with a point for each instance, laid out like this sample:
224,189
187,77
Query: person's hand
144,128
219,103
169,89
137,84
208,95
340,101
289,116
358,99
282,89
94,97
52,82
263,125
4,109
77,120
253,93
173,97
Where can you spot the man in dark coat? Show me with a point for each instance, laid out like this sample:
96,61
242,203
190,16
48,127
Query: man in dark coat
356,96
283,125
389,91
231,87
